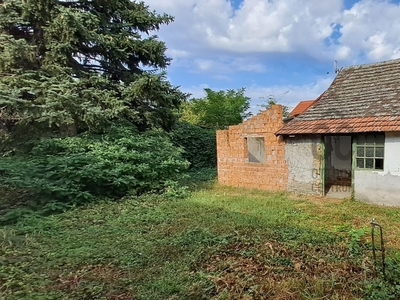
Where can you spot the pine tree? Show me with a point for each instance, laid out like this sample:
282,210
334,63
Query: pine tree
84,63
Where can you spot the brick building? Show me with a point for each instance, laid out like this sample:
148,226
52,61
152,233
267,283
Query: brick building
251,155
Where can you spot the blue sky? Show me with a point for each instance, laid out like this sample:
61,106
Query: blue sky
283,48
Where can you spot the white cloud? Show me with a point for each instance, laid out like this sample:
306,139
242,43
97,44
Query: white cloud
280,26
289,95
256,26
371,28
196,91
176,53
223,65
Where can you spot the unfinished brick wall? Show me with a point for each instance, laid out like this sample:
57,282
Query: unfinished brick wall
234,168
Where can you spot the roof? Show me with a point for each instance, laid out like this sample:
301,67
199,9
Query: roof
301,107
363,98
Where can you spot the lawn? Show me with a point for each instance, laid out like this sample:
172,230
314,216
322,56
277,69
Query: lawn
218,243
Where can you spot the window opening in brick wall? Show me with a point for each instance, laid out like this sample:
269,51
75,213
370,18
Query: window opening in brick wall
370,151
256,149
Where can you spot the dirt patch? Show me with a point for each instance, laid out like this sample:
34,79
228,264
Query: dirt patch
317,200
276,271
100,280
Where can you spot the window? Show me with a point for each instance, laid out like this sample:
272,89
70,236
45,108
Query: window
256,149
370,150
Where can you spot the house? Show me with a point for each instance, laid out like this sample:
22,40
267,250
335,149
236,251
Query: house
347,141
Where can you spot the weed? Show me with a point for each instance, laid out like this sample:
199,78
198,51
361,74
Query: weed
354,242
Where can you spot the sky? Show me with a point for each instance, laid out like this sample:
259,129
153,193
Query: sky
280,48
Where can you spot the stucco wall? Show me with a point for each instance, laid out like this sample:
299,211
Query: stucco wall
304,158
234,168
381,187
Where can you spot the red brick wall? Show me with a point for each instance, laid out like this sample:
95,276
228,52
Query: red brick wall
232,154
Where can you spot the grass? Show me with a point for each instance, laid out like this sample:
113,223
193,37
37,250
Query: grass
219,243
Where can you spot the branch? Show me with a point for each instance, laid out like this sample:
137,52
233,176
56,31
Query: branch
69,3
8,74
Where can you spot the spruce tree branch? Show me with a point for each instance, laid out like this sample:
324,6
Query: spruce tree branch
69,3
8,74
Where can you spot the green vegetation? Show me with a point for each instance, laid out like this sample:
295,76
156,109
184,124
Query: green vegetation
218,243
84,105
79,65
199,144
59,173
217,110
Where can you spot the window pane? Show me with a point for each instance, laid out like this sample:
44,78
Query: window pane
369,163
360,152
379,152
379,163
360,163
369,152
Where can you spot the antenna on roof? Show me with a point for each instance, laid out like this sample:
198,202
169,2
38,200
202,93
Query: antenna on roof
335,67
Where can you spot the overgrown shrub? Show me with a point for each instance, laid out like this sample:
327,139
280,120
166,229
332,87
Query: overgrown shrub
199,144
76,170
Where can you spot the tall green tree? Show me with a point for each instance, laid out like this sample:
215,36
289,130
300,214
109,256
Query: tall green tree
80,64
218,109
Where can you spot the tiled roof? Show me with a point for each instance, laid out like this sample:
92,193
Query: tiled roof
364,98
301,107
348,125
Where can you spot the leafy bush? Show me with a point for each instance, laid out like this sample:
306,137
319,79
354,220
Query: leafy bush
78,169
199,144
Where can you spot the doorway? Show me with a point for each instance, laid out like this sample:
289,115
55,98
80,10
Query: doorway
338,165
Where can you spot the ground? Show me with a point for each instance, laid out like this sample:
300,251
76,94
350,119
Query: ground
219,243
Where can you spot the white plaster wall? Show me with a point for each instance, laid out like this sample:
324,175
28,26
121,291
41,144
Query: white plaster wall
392,154
303,157
381,187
